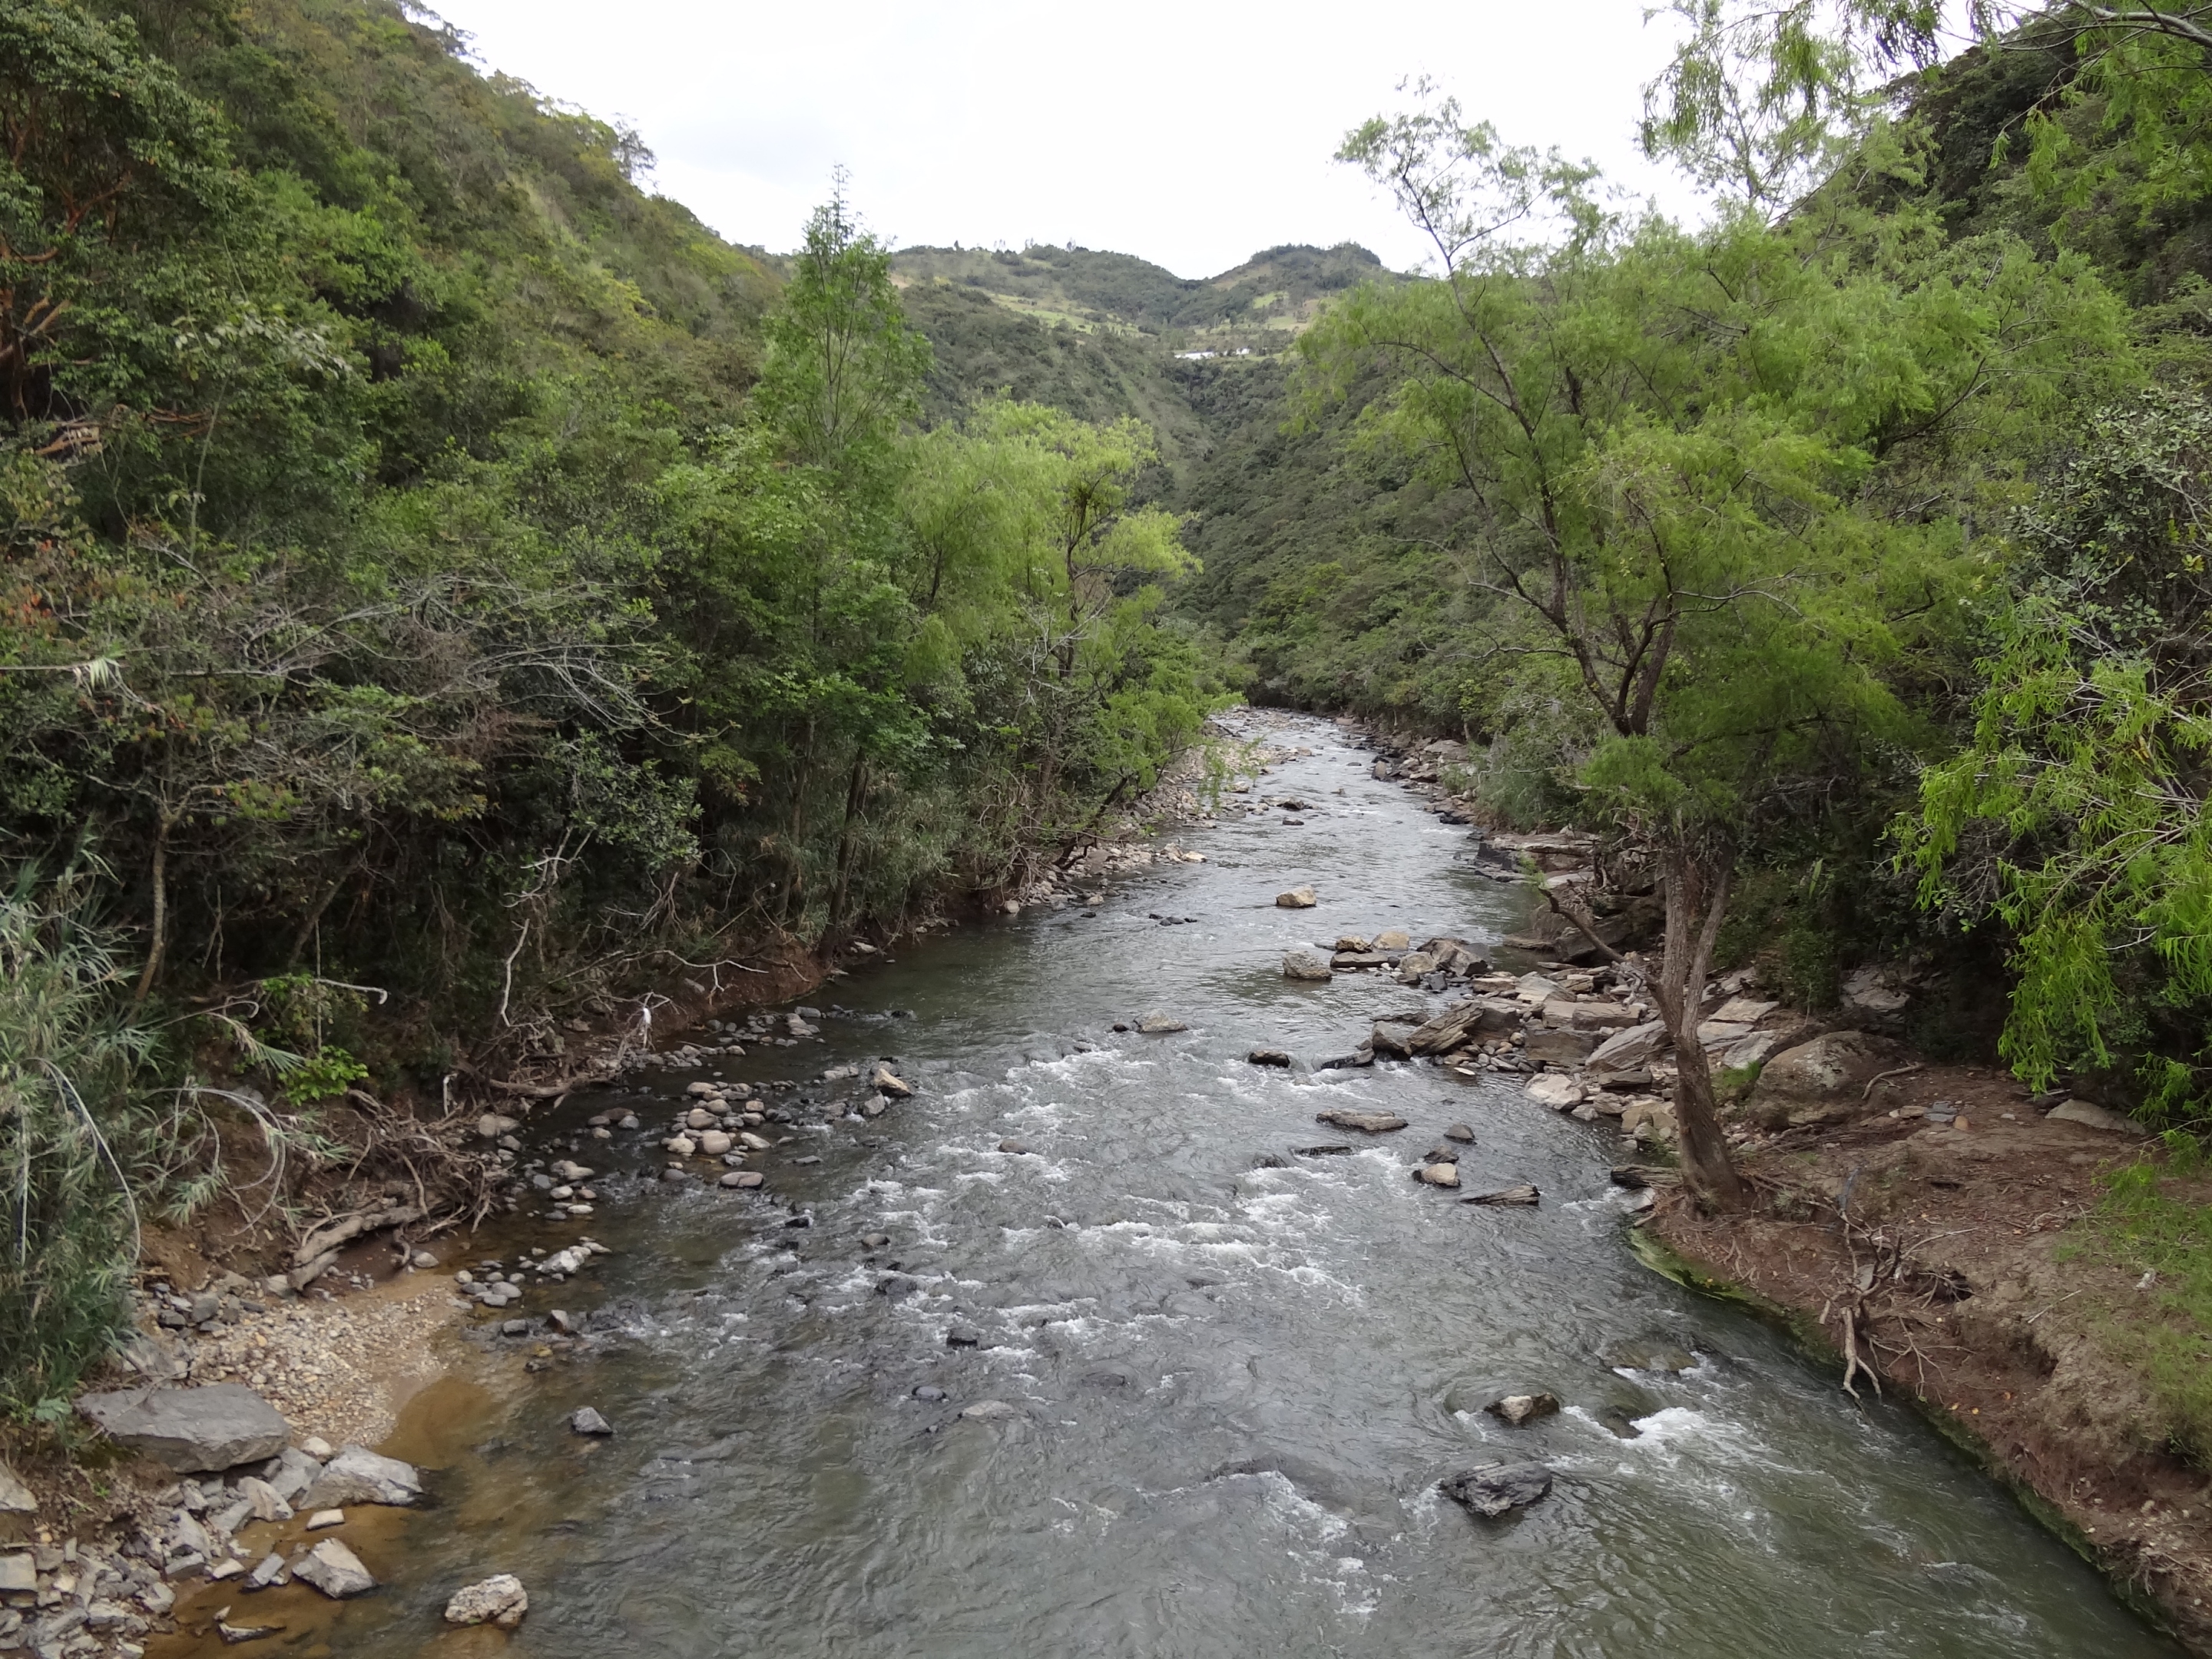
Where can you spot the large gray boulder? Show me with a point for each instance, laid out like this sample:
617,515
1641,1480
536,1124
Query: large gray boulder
1306,965
358,1475
1631,1050
1464,1022
336,1571
1825,1078
191,1429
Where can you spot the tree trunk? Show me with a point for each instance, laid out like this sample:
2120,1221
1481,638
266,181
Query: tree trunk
1696,900
161,881
855,794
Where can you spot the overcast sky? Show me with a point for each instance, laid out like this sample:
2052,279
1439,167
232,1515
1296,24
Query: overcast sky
1192,134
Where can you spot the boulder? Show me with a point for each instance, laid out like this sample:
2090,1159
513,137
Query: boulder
1524,1408
264,1500
1298,898
1631,1050
989,1411
1393,938
499,1599
1414,965
1496,1489
358,1475
1555,1090
1743,1011
1353,943
1267,1057
1367,1123
2094,1117
1391,1038
333,1568
1751,1051
888,1083
1439,1175
191,1429
585,1419
1160,1024
1461,1132
1306,965
1463,1023
1553,1048
15,1499
1826,1077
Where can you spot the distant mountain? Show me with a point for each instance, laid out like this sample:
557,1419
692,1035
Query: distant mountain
1259,304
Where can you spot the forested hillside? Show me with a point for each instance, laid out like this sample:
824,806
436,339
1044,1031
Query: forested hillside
448,586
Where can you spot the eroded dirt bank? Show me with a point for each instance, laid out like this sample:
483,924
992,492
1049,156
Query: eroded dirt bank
1959,1260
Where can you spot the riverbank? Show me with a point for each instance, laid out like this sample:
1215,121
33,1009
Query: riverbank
1955,1232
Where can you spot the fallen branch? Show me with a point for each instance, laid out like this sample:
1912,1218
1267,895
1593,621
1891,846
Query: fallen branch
1881,1078
329,1237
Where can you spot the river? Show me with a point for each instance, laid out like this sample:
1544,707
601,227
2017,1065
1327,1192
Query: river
1234,1387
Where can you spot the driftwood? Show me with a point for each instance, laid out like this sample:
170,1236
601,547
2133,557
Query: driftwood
599,1074
325,1239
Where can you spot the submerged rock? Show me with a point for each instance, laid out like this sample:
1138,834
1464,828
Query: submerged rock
1496,1489
1521,1195
585,1419
1267,1057
1367,1123
1160,1024
1309,965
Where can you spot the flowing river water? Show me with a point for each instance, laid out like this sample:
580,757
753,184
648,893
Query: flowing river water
1234,1387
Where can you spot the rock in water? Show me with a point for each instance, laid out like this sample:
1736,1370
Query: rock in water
1015,1148
191,1429
1158,1024
586,1420
499,1599
988,1410
1521,1408
1461,1132
1306,965
1393,938
333,1568
1298,898
1267,1057
1368,1123
888,1083
1497,1489
1439,1175
1528,1195
1389,1038
358,1475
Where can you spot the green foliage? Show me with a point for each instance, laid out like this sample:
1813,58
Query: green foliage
2075,814
72,1125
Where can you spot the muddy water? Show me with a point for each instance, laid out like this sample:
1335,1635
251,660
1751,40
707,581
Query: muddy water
1233,1389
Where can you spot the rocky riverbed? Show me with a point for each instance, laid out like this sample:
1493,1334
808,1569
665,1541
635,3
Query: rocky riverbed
1054,1318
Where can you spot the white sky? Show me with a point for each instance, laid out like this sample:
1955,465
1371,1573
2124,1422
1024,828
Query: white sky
1192,133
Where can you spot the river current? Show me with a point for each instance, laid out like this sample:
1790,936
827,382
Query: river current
1233,1388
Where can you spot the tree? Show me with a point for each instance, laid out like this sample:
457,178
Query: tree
2075,814
1674,454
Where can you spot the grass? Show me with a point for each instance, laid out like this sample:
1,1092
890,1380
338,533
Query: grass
2150,1221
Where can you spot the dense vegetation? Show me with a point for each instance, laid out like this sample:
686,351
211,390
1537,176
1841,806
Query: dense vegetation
447,583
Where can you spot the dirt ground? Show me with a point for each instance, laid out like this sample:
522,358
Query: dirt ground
1950,1258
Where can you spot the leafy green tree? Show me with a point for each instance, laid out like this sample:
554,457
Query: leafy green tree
1679,458
2075,815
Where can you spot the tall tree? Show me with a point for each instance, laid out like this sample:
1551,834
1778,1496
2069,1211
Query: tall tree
1675,453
